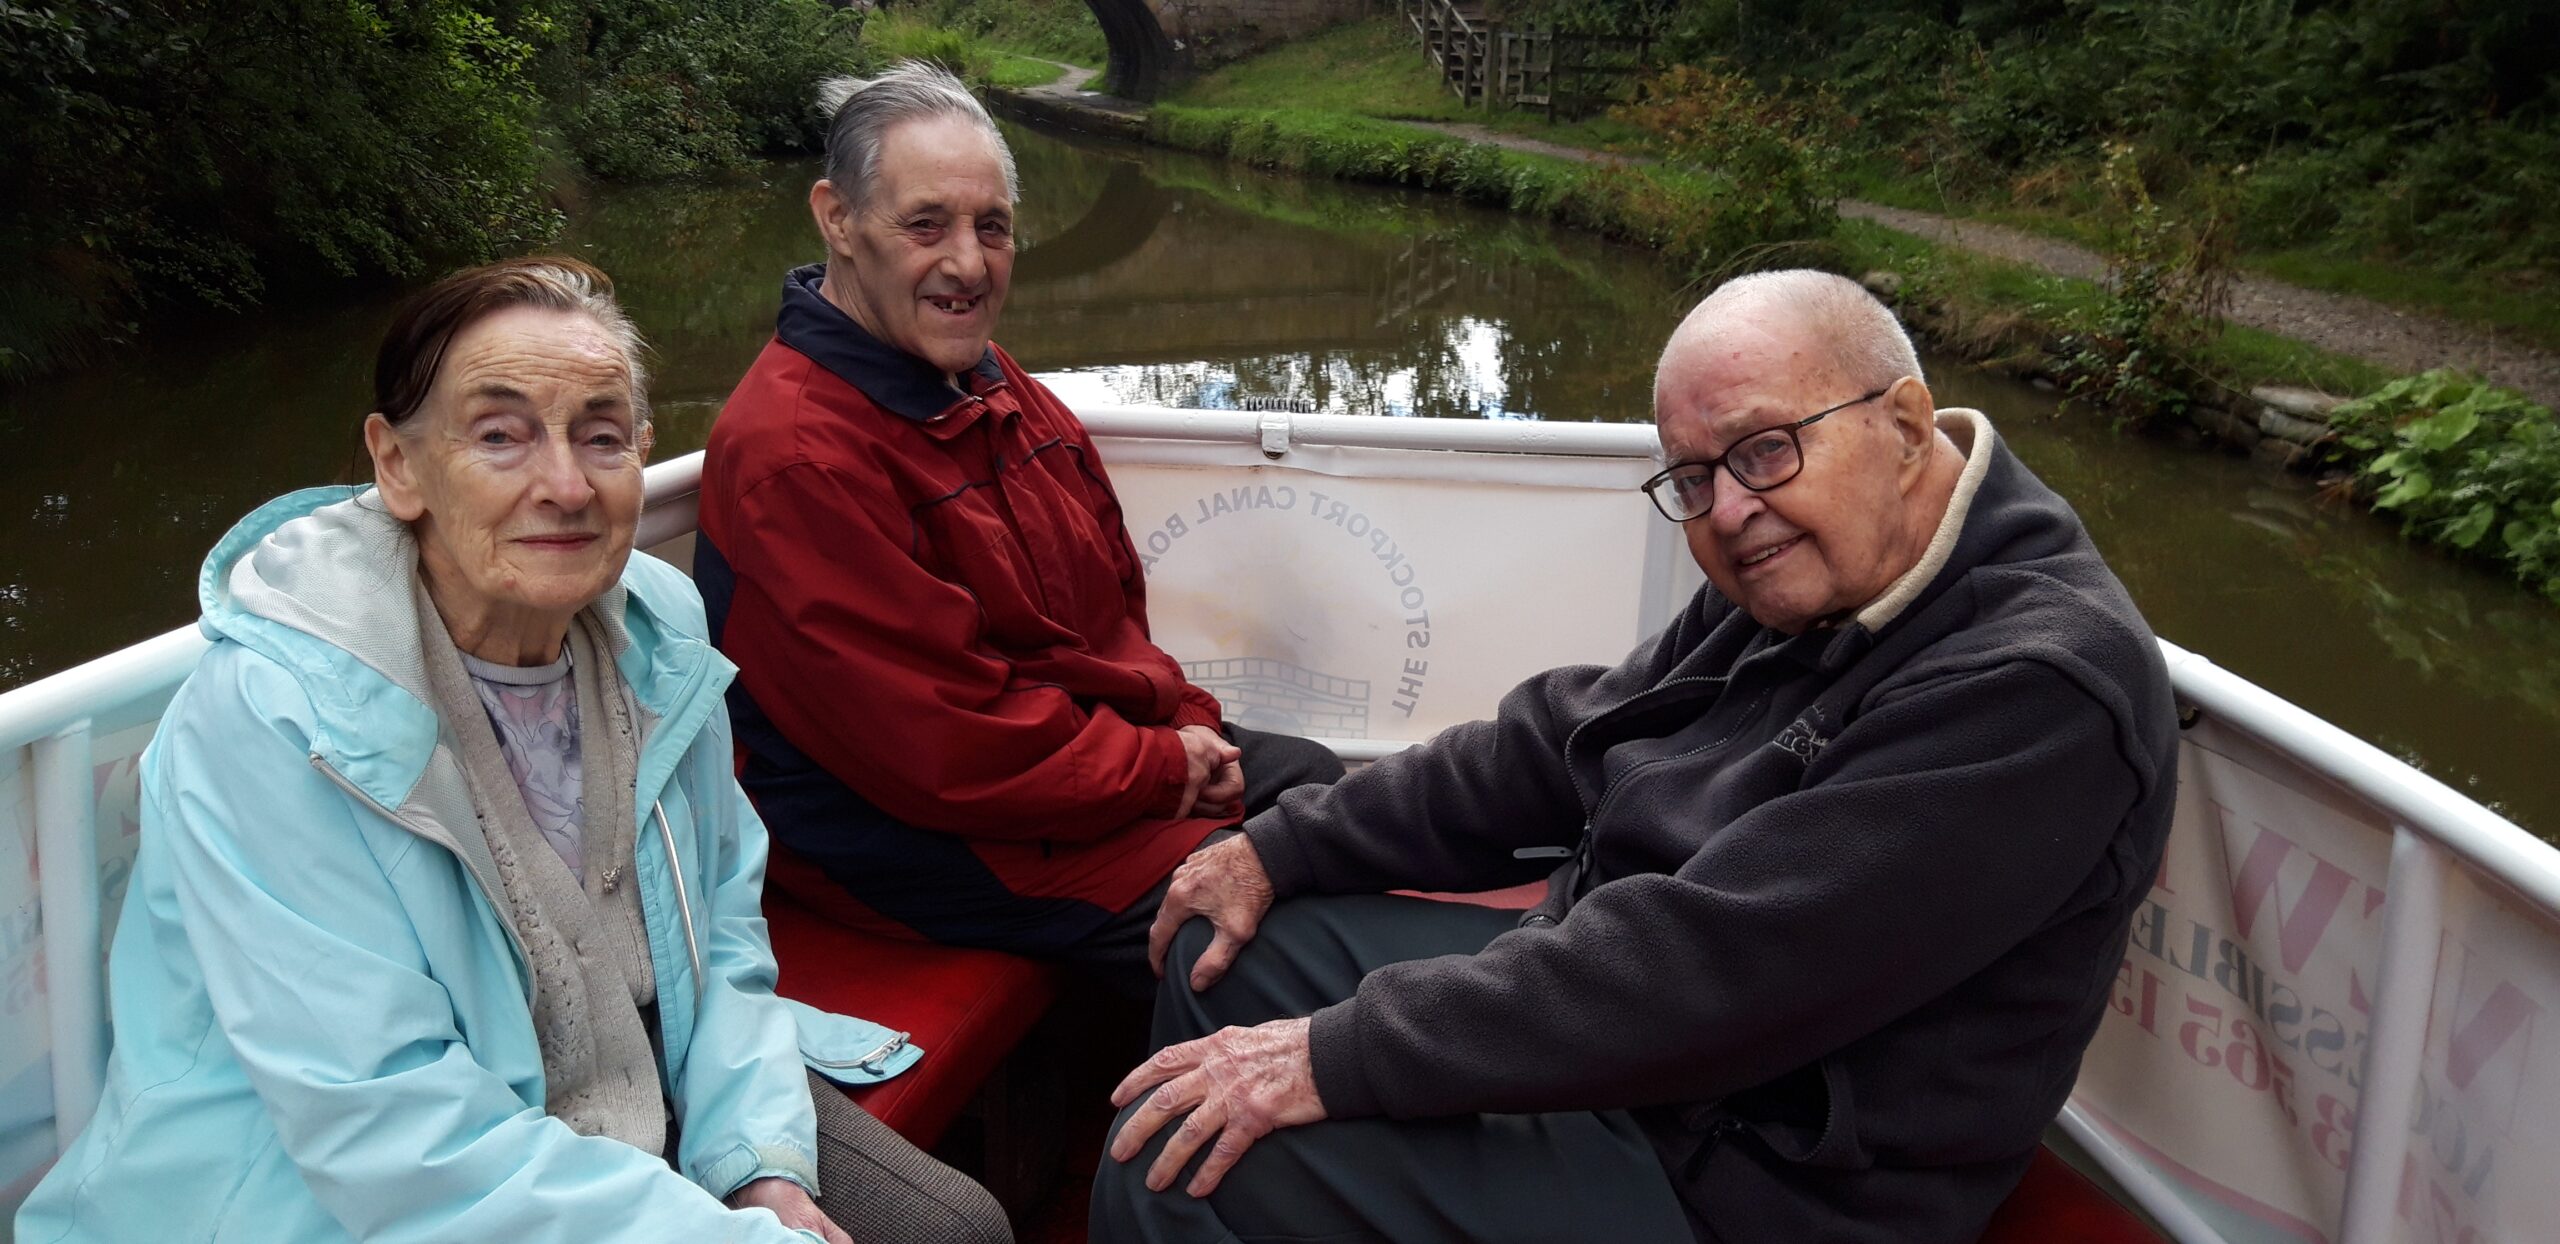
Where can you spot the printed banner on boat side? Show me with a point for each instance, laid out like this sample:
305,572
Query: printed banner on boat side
2484,1159
1357,608
26,1038
2232,1054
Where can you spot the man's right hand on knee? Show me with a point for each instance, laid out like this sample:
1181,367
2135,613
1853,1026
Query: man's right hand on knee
1224,883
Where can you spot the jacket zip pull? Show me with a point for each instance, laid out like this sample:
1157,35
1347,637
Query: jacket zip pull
684,902
871,1061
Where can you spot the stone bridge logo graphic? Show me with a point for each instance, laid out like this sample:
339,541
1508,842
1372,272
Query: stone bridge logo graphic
1276,696
1374,673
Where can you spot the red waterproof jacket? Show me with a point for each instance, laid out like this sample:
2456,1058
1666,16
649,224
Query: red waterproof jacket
948,707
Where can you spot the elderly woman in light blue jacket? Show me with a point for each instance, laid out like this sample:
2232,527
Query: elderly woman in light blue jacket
446,920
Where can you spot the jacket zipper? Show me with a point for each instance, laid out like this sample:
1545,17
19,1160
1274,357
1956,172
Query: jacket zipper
1574,737
1585,851
515,942
684,903
1583,848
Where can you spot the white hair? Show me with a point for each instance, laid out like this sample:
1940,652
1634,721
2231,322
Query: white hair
1866,344
861,111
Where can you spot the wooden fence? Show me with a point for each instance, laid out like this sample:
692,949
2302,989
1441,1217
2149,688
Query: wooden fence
1486,63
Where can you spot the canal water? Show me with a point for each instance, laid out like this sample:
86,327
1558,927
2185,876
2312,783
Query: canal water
1152,277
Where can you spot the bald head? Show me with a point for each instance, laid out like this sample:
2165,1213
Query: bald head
1859,340
1807,387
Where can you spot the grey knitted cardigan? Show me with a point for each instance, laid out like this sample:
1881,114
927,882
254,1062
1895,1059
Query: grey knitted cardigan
586,944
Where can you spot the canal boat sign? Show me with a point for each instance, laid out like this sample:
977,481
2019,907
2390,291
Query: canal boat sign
2334,1020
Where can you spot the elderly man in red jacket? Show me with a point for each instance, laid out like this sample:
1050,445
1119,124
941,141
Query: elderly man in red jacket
950,713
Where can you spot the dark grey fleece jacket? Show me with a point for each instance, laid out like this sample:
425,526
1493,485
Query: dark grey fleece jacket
1840,911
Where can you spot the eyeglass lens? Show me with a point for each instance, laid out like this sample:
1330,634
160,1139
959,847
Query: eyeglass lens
1766,460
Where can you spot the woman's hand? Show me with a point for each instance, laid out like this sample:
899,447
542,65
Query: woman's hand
789,1202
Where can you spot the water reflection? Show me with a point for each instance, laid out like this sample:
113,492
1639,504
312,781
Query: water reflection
1153,278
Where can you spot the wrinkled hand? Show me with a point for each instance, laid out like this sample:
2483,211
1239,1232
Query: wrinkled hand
1225,883
1240,1085
1215,764
789,1202
1223,793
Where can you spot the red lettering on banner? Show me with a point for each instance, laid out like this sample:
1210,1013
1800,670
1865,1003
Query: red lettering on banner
2478,1038
2297,930
2237,1048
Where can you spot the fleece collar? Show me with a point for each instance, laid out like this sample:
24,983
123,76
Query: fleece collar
893,379
1972,435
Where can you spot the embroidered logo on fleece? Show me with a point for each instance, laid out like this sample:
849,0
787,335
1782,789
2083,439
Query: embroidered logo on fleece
1802,738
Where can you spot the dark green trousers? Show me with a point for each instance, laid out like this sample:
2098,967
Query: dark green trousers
1582,1175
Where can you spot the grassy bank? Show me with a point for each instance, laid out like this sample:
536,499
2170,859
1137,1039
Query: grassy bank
1375,69
1706,223
1050,30
2522,307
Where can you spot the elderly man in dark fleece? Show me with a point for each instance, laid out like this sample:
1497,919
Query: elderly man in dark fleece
1848,856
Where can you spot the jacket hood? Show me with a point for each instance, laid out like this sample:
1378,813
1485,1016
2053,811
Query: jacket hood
324,582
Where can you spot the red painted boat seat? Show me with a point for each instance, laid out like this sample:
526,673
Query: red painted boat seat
2055,1202
967,1008
1515,898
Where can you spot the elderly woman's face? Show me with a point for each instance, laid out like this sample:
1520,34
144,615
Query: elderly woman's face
521,473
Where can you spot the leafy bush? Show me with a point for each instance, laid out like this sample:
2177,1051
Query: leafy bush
2464,464
166,152
1779,159
2168,284
662,88
169,153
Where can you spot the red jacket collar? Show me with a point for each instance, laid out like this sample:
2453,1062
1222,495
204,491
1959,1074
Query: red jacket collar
894,380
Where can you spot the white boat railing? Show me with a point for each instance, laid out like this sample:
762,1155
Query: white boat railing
68,745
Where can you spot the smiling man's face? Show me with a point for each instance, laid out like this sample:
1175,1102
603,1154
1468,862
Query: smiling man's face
1838,534
924,261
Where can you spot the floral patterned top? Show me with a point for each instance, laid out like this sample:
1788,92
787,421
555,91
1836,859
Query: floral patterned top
534,709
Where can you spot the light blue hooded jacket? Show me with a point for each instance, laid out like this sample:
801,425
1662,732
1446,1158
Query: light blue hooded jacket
324,1025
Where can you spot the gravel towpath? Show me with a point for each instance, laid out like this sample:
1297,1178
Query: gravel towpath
2405,341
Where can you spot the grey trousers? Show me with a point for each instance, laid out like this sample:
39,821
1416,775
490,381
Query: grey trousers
1567,1176
1273,765
883,1190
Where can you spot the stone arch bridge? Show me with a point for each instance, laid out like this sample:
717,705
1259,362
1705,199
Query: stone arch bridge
1156,42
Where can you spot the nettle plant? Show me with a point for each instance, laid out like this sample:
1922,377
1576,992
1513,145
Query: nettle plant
2465,464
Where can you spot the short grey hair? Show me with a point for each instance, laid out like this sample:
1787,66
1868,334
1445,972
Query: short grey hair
860,112
413,348
1867,344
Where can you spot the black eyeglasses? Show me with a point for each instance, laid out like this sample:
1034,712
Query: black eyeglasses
1760,461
